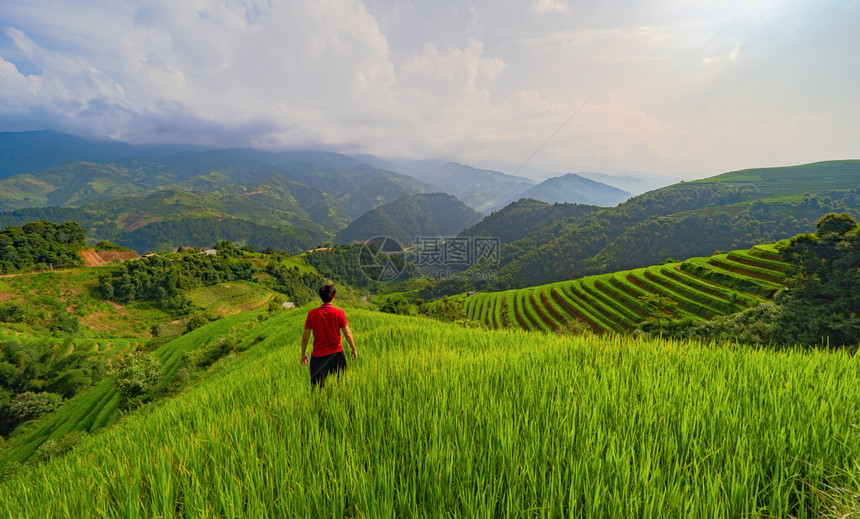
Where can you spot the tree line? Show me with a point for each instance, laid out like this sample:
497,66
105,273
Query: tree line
41,244
819,306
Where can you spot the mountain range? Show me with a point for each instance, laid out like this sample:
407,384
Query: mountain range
487,190
291,201
123,193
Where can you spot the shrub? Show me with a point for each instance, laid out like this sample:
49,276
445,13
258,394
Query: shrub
573,327
207,355
29,406
196,321
137,377
14,313
8,374
275,306
55,448
468,323
447,309
66,323
396,304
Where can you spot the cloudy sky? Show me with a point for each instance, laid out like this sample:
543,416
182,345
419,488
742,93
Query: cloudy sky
685,88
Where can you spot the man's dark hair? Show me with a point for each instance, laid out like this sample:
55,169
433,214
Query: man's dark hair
327,293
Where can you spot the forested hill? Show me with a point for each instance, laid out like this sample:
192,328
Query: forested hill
286,217
572,188
730,211
526,224
433,214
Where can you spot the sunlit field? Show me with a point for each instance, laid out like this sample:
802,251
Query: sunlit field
435,420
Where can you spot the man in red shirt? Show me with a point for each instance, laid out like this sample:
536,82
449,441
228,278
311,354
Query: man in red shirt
326,323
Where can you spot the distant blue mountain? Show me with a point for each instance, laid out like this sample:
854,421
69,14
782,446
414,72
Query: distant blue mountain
575,189
30,152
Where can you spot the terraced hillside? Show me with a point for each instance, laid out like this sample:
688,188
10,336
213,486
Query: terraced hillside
110,348
699,288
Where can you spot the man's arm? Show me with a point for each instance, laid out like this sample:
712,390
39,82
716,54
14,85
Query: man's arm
348,334
305,337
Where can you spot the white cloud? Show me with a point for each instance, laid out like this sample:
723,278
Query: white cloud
731,56
550,6
223,62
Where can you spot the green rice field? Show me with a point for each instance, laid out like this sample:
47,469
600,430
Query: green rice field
435,420
699,288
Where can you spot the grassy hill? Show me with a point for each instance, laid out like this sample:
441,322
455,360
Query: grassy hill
59,335
697,289
533,425
792,181
44,295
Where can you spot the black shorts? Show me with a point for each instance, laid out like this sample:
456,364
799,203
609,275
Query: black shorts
322,366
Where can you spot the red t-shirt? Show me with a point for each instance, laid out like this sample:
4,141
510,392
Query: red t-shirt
326,322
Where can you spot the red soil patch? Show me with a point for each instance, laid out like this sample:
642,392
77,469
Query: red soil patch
96,259
95,322
134,220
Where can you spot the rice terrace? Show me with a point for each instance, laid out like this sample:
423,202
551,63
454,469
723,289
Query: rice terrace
698,288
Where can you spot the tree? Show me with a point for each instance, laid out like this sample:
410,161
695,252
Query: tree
833,223
396,304
822,299
137,377
29,406
66,323
71,233
196,321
